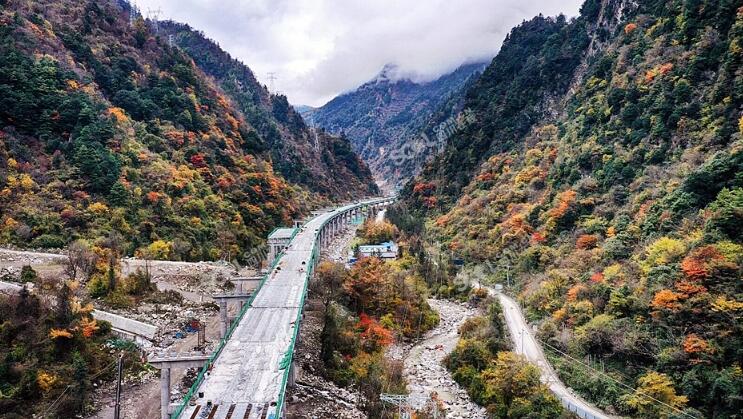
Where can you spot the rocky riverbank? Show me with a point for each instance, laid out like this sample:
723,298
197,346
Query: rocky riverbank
423,367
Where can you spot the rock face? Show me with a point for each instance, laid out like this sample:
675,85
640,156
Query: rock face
390,114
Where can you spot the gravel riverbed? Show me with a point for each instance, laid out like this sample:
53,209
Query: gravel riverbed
423,362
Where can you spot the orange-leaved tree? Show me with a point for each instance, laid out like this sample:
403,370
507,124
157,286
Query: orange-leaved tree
366,284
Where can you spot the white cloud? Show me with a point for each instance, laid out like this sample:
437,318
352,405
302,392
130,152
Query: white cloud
319,48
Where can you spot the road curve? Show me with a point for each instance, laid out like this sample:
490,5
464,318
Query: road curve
525,344
248,377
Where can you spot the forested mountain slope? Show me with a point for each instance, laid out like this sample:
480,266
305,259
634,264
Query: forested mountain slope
301,157
385,118
106,131
605,169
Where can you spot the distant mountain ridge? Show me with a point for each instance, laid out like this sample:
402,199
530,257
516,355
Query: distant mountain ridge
389,113
602,178
302,157
109,133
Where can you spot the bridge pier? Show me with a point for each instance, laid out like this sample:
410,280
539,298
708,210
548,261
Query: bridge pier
292,381
224,317
164,392
165,363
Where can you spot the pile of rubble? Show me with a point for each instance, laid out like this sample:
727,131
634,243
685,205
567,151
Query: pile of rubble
323,399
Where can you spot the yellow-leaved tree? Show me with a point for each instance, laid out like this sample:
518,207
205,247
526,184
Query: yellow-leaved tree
655,397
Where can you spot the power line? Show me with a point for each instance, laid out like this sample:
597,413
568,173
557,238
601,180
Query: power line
649,397
69,386
579,362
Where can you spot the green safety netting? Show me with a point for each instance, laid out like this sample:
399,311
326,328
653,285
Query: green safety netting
285,363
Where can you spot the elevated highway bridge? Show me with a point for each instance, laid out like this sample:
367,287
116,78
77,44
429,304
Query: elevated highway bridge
247,375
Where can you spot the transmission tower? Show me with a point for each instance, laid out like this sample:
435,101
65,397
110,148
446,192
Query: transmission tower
133,11
272,81
404,401
154,16
171,40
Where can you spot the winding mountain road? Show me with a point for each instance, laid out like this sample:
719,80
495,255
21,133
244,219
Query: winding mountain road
526,344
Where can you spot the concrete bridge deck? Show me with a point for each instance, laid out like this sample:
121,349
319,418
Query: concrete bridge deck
251,372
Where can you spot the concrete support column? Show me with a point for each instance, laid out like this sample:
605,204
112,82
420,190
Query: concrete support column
164,392
223,317
292,381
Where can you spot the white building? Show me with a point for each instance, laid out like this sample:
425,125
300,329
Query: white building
386,250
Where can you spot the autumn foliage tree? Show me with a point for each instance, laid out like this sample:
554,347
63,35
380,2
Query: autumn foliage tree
654,387
366,284
327,283
375,232
512,389
63,348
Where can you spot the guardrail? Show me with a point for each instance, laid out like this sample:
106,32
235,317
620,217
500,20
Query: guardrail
223,341
577,410
289,355
286,361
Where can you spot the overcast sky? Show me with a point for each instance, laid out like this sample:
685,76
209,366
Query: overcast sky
320,48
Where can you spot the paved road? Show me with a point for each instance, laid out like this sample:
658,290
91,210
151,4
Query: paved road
246,379
525,343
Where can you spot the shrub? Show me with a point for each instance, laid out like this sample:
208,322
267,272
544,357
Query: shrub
586,241
512,388
98,286
663,251
595,337
653,387
616,248
471,352
48,241
726,219
28,274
